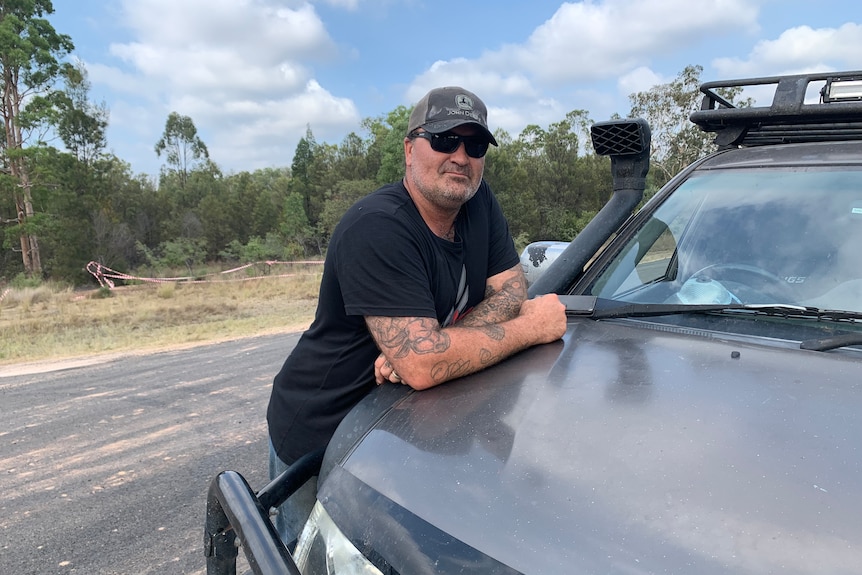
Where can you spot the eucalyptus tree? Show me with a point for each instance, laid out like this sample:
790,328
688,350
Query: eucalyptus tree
222,217
32,64
272,184
294,227
386,148
183,148
510,180
81,123
74,193
351,160
548,157
332,168
300,171
676,142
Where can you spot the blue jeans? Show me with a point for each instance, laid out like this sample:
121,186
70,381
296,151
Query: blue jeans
290,517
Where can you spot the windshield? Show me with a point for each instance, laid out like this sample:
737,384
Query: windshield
749,236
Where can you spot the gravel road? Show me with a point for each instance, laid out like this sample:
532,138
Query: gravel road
105,463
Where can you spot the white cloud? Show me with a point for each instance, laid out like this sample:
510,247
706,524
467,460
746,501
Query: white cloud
475,77
232,47
259,129
237,68
351,5
640,79
799,50
585,42
116,79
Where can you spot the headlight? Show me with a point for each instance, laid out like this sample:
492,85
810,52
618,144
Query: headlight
323,550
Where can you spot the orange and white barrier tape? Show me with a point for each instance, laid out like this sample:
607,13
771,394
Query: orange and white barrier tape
106,276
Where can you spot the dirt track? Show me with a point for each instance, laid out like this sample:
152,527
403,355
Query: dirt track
105,462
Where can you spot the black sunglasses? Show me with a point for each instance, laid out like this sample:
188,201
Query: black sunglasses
447,143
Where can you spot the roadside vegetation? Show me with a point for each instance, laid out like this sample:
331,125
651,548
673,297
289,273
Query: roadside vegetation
50,322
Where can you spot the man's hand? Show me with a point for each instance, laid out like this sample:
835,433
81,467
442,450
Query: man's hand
548,314
384,372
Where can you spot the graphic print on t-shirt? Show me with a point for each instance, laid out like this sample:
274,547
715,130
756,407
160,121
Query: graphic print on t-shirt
463,297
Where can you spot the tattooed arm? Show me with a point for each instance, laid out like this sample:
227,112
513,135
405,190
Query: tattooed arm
419,352
504,294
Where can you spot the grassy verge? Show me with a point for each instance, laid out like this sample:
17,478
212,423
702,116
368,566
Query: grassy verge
47,324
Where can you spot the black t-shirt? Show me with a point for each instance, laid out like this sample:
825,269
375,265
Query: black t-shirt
382,260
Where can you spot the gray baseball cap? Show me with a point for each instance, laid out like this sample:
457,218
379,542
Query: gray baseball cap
442,109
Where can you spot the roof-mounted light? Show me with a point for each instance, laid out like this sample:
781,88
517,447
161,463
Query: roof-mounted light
842,90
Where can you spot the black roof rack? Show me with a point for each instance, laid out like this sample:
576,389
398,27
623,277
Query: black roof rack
788,120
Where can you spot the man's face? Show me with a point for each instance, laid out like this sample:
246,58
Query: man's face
446,180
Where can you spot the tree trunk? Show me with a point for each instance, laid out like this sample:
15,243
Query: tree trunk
29,242
18,170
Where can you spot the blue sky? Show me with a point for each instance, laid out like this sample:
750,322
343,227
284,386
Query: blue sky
254,74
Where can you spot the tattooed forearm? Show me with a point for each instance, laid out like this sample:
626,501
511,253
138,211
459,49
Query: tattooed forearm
400,336
487,358
499,305
444,371
493,331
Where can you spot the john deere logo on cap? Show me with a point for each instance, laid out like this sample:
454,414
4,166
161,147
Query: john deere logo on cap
464,102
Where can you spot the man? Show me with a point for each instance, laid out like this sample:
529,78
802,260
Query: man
421,285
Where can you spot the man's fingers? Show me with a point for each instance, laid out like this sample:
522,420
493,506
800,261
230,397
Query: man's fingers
383,371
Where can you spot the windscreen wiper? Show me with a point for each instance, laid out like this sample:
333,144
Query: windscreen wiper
599,308
832,342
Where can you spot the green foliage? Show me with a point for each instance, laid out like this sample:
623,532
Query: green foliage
182,252
267,206
23,281
521,240
80,124
257,249
181,145
302,158
146,257
388,136
254,251
32,59
301,169
510,180
103,293
294,227
548,180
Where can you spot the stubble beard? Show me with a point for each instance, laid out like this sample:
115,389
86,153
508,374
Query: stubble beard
443,191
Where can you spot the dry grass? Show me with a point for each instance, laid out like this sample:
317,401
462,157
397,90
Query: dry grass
44,323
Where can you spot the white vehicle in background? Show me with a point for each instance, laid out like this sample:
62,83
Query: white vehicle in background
537,256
